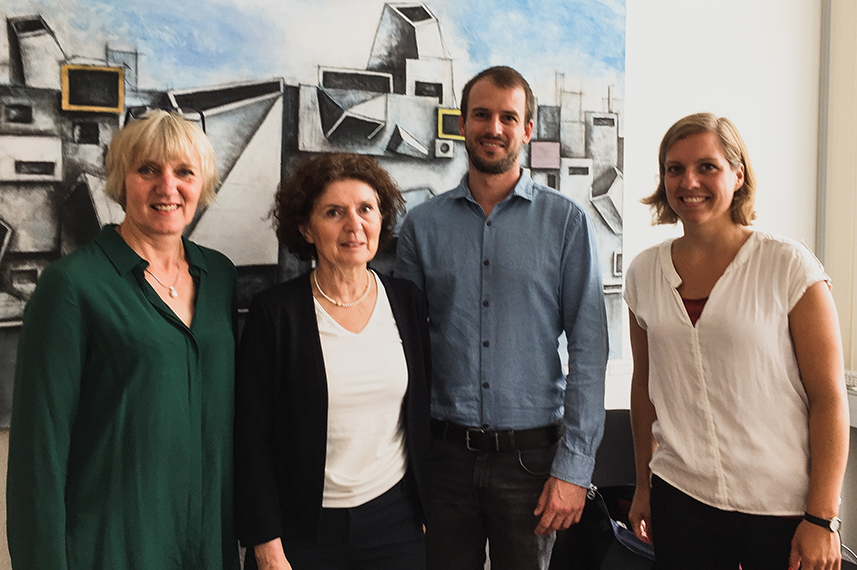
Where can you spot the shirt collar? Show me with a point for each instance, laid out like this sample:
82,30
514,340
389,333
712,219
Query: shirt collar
665,259
124,259
525,188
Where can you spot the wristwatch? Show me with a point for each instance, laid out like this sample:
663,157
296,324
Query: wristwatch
830,524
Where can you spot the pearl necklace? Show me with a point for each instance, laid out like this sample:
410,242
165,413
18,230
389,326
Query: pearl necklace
340,303
172,288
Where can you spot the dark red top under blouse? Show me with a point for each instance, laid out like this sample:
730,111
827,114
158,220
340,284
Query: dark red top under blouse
694,308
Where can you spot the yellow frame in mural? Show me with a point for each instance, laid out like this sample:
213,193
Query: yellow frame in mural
441,113
120,77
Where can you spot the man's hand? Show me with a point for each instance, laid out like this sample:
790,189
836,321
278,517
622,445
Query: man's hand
559,505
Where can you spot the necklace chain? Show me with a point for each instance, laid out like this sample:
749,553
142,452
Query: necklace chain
172,288
340,303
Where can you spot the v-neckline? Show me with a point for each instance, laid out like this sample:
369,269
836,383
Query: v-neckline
336,323
675,280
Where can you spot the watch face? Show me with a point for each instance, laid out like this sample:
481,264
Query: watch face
835,523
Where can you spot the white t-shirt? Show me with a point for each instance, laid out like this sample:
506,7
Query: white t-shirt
732,427
367,376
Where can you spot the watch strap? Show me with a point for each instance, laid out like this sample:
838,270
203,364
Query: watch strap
830,524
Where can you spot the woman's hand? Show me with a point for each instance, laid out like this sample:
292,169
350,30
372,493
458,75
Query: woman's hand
270,556
640,515
814,548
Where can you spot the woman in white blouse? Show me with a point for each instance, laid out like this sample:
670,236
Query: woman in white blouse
332,412
738,398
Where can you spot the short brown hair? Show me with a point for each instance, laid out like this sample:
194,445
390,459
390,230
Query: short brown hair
296,196
505,78
734,150
162,136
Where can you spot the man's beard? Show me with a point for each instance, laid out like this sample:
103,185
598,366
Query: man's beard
498,166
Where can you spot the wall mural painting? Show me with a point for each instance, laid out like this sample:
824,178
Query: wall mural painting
275,80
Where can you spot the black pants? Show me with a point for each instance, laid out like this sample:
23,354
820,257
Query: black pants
487,496
383,534
691,534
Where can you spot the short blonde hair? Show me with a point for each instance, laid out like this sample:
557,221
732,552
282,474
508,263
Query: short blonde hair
162,136
734,150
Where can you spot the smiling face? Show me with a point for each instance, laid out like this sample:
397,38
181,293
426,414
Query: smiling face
495,128
699,181
161,196
345,224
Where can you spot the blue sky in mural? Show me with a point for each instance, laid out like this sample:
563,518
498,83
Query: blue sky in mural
198,42
514,28
184,33
581,38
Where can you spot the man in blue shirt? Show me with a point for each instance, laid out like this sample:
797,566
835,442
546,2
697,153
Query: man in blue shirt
507,265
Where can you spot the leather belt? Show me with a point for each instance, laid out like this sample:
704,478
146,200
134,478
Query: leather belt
476,439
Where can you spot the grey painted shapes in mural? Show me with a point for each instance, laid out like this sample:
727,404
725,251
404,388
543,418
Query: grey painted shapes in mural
606,196
416,115
403,143
35,53
405,32
350,117
237,223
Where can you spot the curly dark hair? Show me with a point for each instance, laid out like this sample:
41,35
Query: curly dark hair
296,196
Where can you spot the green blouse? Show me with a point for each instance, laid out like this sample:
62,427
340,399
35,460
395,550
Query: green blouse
120,449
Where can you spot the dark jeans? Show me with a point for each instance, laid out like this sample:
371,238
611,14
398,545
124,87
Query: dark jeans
691,534
486,496
384,534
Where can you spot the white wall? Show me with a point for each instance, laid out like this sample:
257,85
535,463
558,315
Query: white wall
754,61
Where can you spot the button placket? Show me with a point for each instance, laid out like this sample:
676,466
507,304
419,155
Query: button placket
486,324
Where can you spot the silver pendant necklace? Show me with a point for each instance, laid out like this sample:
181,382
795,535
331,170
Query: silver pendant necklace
340,303
172,288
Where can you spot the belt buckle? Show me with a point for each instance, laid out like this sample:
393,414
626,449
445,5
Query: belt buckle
467,438
482,431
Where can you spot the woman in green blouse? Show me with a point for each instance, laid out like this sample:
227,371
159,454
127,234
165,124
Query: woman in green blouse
120,450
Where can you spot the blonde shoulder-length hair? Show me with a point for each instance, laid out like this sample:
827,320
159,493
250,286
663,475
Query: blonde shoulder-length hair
735,151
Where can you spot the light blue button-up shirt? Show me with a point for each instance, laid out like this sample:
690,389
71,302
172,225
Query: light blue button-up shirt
501,289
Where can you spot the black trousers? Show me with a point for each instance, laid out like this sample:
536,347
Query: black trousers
383,534
690,534
487,496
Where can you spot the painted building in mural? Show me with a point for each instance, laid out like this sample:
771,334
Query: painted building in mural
58,114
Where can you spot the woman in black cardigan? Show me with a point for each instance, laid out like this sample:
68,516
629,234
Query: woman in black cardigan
332,393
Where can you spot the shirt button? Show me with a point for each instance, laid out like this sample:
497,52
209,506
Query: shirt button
488,223
485,303
485,262
485,385
485,343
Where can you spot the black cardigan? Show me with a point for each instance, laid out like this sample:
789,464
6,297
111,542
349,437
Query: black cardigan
281,409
